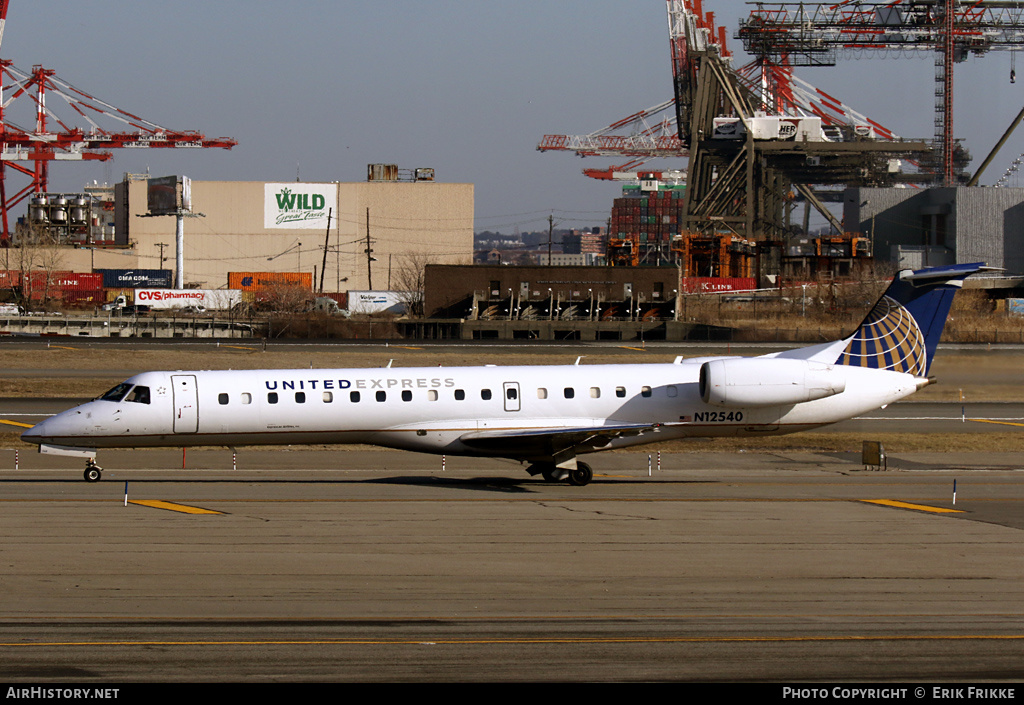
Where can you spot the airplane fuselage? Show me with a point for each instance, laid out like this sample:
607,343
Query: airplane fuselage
441,410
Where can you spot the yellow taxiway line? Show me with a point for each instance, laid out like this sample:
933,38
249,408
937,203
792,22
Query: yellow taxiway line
16,423
171,506
907,505
1002,423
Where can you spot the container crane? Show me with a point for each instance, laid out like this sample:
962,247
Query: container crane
810,34
53,138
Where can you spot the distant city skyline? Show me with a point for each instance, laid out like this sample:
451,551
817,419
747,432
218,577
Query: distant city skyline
317,90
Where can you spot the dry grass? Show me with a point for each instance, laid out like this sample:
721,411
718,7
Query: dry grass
1010,442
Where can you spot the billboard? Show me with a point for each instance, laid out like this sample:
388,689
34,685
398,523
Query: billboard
298,206
167,195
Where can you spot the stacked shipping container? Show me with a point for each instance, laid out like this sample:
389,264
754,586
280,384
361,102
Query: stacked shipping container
105,285
647,229
650,220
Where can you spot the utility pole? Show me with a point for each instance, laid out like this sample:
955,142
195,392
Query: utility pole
327,240
370,258
551,229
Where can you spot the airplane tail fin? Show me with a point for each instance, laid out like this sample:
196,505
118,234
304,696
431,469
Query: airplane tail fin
903,329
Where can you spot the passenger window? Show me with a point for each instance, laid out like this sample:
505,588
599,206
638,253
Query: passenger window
300,397
139,395
246,398
542,393
353,397
569,392
620,392
222,399
485,394
328,397
431,395
406,395
595,392
271,397
511,393
645,391
672,390
460,394
382,396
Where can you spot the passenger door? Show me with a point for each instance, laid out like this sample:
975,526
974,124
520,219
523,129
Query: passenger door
511,390
186,403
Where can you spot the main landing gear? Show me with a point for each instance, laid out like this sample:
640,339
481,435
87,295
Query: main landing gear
580,476
93,472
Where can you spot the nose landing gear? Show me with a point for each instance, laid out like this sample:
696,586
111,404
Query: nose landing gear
93,472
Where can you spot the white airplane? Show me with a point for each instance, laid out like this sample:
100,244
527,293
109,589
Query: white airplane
544,415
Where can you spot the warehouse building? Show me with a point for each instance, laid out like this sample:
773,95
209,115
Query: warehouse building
284,227
930,227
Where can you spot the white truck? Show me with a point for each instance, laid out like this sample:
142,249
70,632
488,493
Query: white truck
189,299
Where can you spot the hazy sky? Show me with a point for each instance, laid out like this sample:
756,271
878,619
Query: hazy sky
320,89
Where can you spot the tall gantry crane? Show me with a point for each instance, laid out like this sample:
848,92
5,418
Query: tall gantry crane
808,34
53,138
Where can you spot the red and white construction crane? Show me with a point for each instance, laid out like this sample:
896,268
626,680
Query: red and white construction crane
809,34
55,138
663,130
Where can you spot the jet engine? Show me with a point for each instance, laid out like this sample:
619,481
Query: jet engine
768,381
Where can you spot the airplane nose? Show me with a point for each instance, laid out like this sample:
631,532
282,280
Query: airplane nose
36,434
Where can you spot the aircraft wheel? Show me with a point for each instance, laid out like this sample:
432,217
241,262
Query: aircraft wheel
581,476
93,472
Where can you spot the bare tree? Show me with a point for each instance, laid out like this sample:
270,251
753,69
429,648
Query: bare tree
38,257
287,298
408,281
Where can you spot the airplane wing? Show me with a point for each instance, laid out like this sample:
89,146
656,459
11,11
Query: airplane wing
534,442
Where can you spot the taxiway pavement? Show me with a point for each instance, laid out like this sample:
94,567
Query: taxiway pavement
382,566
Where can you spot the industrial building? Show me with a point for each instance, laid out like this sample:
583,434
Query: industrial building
930,227
376,230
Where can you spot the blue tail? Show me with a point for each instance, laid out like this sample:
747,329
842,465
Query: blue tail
903,329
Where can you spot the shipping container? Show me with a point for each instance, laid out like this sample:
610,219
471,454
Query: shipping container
39,285
10,278
714,285
254,281
78,281
134,278
112,294
341,298
80,297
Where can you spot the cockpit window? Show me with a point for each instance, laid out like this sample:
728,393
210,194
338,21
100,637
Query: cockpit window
139,395
117,393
